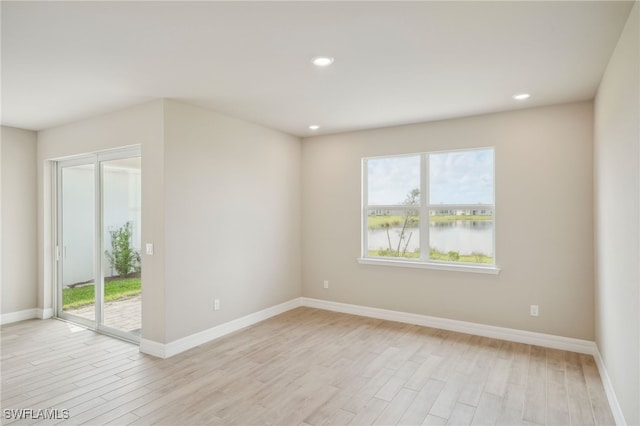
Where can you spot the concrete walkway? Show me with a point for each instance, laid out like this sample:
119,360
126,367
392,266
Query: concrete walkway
122,314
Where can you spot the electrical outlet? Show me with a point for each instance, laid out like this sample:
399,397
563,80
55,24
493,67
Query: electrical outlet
326,283
534,311
216,305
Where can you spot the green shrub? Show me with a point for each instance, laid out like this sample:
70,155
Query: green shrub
122,257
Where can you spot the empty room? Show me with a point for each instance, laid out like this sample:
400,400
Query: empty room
320,212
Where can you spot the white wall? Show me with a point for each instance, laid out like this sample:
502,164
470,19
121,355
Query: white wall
19,253
220,201
141,125
121,203
544,227
233,218
78,224
617,218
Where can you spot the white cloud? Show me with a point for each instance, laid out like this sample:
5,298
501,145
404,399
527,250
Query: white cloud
461,177
392,178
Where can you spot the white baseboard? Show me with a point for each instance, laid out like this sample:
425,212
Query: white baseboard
45,313
510,334
150,347
608,389
18,316
173,348
513,335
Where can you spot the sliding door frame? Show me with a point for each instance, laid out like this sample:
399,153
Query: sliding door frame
59,252
98,241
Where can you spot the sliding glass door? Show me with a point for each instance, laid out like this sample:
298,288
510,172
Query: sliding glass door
121,244
75,251
99,240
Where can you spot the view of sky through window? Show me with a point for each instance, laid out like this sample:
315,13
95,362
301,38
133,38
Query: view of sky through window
392,178
458,177
461,177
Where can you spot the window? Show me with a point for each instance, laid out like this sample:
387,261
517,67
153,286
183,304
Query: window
430,210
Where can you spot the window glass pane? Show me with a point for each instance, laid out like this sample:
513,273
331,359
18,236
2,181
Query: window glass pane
393,233
461,177
461,235
77,200
391,180
121,236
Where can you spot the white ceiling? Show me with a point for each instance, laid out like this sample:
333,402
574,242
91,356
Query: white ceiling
395,62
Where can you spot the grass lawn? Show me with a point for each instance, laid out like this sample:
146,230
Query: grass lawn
453,218
377,221
113,290
437,255
463,258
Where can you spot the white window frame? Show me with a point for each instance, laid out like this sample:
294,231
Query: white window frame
423,208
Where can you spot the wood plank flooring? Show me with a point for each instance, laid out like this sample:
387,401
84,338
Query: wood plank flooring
304,367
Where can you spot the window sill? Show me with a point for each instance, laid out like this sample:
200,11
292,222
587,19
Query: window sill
494,270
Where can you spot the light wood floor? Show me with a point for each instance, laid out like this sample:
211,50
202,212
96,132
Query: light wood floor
306,366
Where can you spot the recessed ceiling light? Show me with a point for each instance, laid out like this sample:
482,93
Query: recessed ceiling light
521,96
314,127
322,61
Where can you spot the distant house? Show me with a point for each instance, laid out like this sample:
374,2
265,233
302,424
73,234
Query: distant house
461,212
380,212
